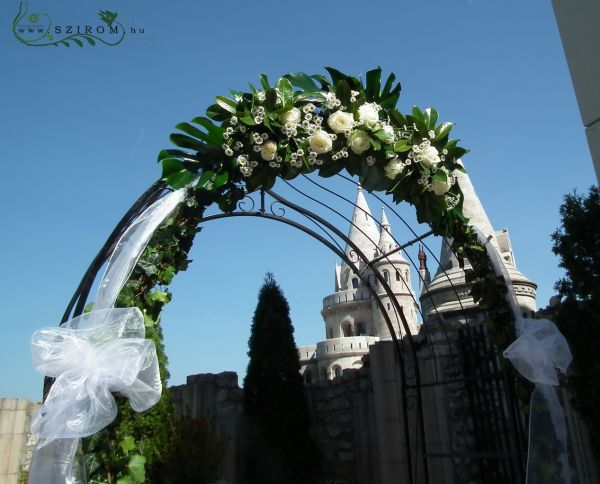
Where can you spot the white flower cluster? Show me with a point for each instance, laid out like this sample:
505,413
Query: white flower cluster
310,134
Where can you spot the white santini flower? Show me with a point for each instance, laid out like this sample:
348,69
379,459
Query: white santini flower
393,168
320,142
359,141
290,117
369,113
441,187
341,122
429,156
268,151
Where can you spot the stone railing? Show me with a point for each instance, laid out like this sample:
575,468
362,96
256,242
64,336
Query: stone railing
347,296
350,345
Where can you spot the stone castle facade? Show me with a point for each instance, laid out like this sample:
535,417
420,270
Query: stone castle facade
352,315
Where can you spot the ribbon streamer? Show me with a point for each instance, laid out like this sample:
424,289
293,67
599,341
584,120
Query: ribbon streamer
92,356
538,352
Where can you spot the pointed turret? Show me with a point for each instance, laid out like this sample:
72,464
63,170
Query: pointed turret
386,240
474,211
449,281
363,230
364,234
424,277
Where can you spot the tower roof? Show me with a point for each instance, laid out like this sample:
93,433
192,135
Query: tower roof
386,240
363,230
474,211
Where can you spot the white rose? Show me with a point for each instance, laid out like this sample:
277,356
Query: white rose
440,187
429,156
369,114
388,132
320,142
393,168
268,150
341,122
291,116
359,141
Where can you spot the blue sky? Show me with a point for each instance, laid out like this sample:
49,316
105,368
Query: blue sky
80,129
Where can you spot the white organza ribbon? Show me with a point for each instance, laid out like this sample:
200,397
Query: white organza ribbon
94,355
538,352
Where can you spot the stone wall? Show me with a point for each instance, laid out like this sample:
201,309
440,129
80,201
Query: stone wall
16,442
217,398
360,419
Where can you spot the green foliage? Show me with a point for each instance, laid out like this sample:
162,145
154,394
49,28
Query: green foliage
221,149
280,447
577,244
134,447
196,452
207,157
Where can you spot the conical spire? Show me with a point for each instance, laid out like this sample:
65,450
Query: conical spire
474,211
386,240
363,230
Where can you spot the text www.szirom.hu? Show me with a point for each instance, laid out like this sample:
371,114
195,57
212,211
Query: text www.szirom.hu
80,29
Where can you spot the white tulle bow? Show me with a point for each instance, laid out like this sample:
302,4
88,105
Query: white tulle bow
539,351
90,361
94,355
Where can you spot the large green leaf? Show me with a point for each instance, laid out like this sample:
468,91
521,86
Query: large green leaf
342,91
215,133
302,81
264,81
331,168
185,141
336,76
172,153
397,118
193,131
442,130
136,468
127,444
373,84
216,112
432,116
286,91
175,173
227,104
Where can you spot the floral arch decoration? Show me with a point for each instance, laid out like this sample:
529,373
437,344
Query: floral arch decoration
304,124
299,125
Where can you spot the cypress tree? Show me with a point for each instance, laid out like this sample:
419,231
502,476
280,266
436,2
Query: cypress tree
280,448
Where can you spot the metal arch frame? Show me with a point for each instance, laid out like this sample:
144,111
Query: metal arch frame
409,368
323,223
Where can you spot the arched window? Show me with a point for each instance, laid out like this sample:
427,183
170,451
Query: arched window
386,276
324,375
346,329
406,276
329,333
397,275
307,377
360,329
337,370
355,283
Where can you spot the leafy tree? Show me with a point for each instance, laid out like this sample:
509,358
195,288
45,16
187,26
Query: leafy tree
280,448
577,243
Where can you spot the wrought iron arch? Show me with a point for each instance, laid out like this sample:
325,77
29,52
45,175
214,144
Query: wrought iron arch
418,457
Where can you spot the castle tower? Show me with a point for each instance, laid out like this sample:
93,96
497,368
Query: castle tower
353,319
424,276
448,295
396,272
